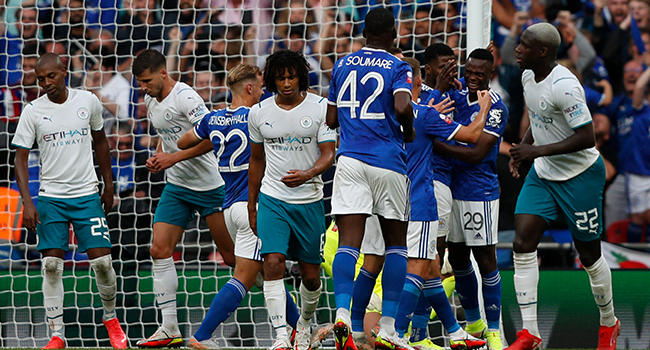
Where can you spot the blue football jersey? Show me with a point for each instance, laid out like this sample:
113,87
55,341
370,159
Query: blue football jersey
478,182
637,146
442,164
429,124
362,88
228,131
621,115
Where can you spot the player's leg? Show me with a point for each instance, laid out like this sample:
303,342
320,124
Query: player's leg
536,208
352,202
248,265
171,217
274,232
584,216
373,250
222,239
53,237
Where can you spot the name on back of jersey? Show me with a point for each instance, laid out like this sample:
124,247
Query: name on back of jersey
222,120
368,62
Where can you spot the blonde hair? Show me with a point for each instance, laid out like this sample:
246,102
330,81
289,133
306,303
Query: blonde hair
241,73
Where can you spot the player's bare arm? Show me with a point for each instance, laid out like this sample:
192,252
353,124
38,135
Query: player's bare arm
104,160
188,140
583,138
299,177
163,160
473,155
404,113
472,132
30,215
256,168
332,117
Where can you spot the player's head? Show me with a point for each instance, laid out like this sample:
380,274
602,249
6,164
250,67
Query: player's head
435,57
51,74
149,69
417,73
538,44
631,72
478,70
380,27
246,80
286,73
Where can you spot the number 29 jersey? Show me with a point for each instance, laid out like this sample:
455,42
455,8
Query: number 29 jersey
228,130
362,87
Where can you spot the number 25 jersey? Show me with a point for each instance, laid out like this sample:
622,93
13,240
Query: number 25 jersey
362,87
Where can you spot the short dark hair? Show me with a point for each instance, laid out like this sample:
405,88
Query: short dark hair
148,59
285,60
32,50
436,50
482,54
379,21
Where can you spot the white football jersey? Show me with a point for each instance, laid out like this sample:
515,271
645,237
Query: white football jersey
172,118
556,107
291,139
63,133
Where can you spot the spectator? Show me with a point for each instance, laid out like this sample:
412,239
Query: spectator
622,112
210,86
11,44
608,15
146,136
127,165
29,85
575,45
140,27
112,89
247,12
429,25
297,12
406,40
602,129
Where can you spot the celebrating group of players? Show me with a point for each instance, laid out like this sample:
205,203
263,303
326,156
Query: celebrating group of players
418,155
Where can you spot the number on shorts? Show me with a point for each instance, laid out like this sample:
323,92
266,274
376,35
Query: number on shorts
351,82
587,217
101,222
222,140
474,221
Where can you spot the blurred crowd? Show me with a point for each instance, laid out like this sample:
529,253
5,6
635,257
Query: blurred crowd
604,42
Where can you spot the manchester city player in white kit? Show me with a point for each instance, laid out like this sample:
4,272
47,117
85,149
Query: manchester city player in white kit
568,176
228,130
291,145
65,123
193,184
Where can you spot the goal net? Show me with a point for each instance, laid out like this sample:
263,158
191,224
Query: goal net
201,39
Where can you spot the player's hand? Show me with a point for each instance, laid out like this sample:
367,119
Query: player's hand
162,161
446,77
514,168
252,218
295,178
524,153
107,200
484,99
151,166
409,137
30,217
445,106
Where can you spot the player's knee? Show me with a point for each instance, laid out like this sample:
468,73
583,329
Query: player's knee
159,252
52,268
274,266
311,283
228,258
103,266
520,245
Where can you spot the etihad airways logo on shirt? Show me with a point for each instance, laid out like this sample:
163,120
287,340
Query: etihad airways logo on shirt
290,143
61,135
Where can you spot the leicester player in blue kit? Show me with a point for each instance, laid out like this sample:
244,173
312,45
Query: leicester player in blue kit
568,177
475,191
228,130
423,267
370,99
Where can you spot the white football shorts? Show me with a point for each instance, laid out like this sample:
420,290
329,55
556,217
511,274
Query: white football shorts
373,240
474,223
421,239
247,244
444,200
638,192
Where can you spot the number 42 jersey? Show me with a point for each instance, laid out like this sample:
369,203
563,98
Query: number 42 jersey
362,87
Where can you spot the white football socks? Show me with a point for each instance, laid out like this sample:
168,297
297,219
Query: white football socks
600,278
106,283
165,284
276,304
526,279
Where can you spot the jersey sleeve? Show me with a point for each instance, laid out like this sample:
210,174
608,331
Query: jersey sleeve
333,91
191,105
325,134
25,131
439,125
495,122
96,120
253,127
202,128
403,78
570,99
